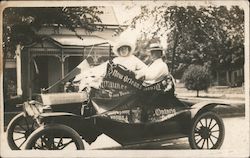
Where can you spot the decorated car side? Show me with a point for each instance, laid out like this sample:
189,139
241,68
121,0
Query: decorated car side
123,108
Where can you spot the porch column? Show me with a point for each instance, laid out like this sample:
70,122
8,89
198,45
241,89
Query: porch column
228,77
29,84
62,64
18,69
62,67
217,78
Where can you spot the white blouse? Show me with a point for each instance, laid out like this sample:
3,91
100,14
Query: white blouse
130,62
93,76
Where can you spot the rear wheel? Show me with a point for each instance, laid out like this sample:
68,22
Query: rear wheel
54,137
207,131
18,130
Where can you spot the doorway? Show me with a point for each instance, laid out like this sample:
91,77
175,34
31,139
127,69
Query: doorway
40,73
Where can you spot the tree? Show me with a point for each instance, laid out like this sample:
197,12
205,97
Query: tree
196,78
21,24
211,32
211,35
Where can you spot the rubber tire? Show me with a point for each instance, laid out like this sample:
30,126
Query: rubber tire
220,124
10,130
53,127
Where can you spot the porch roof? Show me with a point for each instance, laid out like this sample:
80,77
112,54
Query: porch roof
72,40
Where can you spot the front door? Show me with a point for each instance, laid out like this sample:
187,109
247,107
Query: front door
40,73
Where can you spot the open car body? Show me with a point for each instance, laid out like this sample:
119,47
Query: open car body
128,112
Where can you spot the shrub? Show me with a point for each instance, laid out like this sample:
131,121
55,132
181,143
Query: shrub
196,78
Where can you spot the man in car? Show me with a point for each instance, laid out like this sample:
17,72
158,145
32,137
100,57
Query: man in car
158,69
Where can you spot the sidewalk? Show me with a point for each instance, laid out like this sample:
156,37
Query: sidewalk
236,102
214,96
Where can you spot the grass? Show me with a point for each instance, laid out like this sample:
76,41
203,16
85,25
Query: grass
215,89
222,92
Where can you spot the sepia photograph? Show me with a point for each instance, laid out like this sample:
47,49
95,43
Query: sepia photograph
124,79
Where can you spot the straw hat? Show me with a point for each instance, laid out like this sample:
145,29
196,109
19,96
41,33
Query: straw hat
123,43
155,46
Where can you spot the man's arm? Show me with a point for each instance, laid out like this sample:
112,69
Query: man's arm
139,64
156,71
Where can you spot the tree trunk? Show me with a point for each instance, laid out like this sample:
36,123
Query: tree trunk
174,49
197,94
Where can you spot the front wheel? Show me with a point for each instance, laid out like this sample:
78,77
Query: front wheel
54,137
18,130
207,131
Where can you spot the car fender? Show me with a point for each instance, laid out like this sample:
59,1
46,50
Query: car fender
52,114
205,106
56,115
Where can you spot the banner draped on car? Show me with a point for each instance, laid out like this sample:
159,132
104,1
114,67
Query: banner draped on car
124,98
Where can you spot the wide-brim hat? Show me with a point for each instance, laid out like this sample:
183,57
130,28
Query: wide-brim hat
123,43
155,46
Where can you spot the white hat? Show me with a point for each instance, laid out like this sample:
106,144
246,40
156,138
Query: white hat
123,43
155,46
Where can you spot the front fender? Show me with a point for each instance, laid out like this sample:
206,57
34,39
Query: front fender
55,114
205,106
58,117
84,126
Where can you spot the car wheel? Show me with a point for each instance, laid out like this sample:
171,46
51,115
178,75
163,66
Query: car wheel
54,137
207,131
18,130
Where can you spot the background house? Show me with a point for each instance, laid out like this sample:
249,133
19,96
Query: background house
49,60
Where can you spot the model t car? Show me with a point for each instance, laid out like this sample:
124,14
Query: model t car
123,108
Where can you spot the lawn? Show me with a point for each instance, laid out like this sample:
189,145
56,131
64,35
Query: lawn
223,92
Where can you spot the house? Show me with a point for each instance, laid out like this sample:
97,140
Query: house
41,64
231,78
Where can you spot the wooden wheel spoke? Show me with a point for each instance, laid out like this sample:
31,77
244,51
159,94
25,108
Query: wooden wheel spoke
53,146
196,130
211,141
215,131
210,123
201,123
66,144
38,146
214,136
60,142
22,127
199,141
213,126
22,143
19,138
45,142
20,132
203,143
207,144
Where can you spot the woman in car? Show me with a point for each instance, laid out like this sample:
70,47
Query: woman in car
125,57
124,51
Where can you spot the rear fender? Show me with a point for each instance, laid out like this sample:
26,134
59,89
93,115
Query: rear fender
204,107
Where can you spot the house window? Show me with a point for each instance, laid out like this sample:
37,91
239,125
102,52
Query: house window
73,62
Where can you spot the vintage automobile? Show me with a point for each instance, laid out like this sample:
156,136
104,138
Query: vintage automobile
124,108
